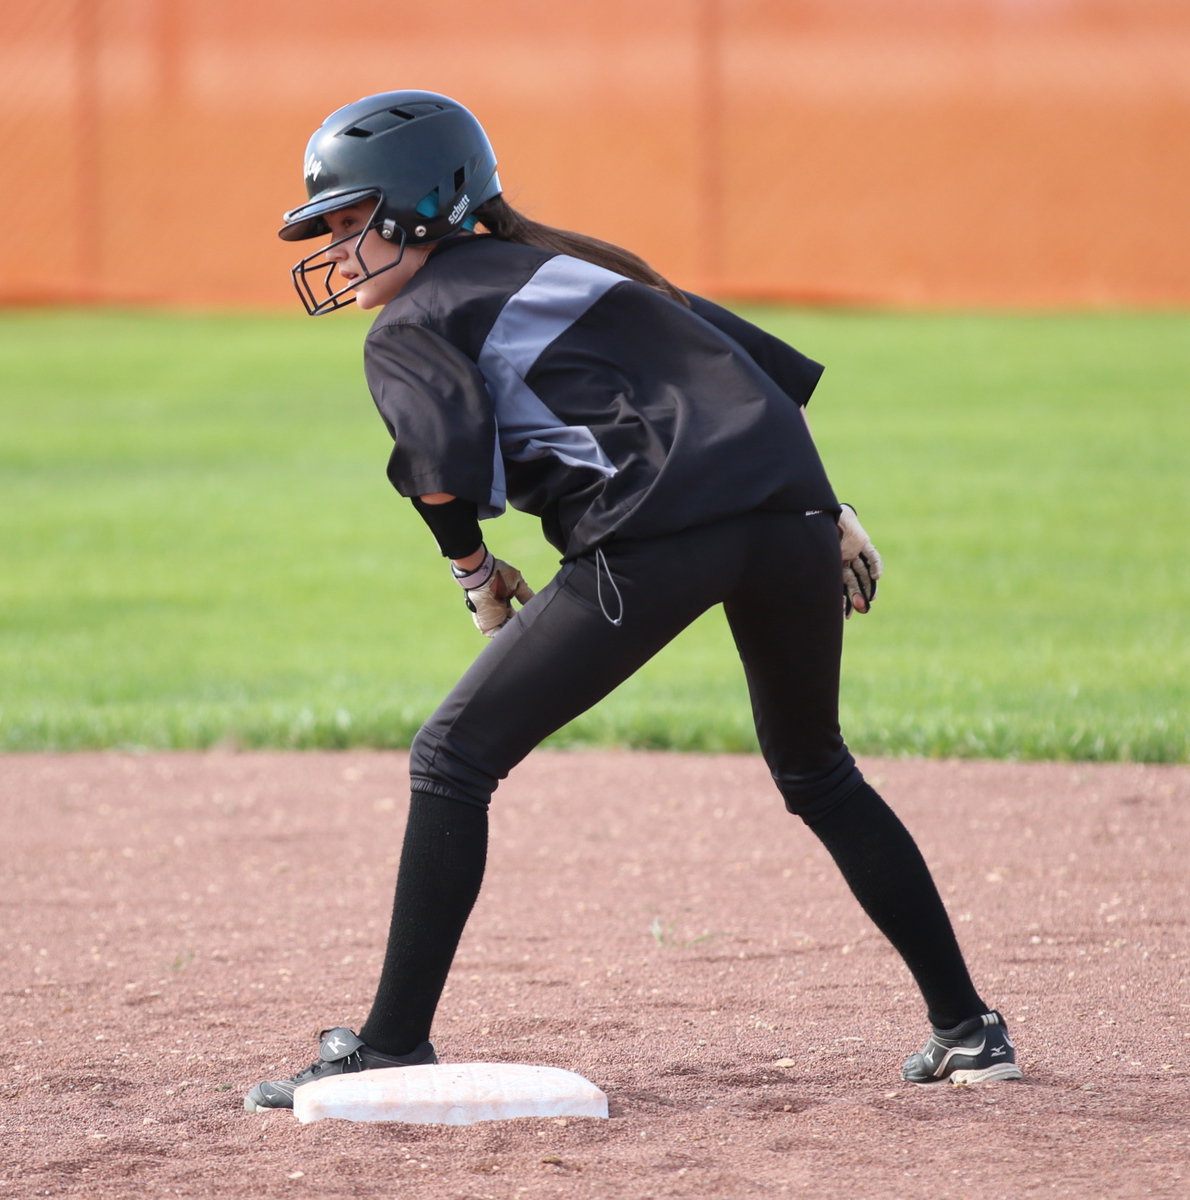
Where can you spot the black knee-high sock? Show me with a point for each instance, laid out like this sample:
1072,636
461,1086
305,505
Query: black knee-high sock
442,864
886,872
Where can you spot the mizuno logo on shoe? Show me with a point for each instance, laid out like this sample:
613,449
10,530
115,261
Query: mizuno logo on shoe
999,1050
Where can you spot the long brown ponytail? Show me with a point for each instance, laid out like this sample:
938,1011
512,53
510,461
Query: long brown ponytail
501,220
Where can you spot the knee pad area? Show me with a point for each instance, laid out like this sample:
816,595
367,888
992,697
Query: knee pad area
436,769
814,797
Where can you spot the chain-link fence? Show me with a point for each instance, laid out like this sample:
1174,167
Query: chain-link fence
893,151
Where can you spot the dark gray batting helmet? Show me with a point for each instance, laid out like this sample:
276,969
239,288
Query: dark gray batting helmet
424,156
424,160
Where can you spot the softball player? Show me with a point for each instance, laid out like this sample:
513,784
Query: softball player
661,441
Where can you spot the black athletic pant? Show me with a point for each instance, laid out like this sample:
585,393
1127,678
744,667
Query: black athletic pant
777,576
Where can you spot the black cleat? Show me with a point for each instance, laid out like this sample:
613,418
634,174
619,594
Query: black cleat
977,1051
339,1053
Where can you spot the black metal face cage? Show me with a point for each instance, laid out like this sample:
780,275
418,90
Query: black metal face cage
318,295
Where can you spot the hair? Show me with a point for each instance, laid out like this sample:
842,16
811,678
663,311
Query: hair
501,220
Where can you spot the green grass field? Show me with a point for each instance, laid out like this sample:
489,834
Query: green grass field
200,546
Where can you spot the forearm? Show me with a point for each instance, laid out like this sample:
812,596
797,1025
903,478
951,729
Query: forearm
455,526
489,584
471,561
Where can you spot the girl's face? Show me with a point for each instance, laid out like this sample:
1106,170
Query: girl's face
379,256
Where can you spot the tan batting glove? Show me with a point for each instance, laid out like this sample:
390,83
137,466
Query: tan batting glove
861,564
490,590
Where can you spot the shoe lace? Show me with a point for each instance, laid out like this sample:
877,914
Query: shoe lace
314,1070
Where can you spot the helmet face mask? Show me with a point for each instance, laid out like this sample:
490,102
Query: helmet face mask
313,275
423,156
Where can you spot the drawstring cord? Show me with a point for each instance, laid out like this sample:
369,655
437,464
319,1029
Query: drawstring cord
601,566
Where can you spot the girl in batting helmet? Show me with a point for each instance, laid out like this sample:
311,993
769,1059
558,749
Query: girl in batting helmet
661,441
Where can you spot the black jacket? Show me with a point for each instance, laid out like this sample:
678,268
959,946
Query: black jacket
506,373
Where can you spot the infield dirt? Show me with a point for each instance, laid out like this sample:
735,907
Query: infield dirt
177,927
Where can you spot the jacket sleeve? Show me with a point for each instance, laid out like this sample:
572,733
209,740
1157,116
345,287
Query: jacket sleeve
794,373
437,408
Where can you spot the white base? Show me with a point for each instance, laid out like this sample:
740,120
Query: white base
450,1094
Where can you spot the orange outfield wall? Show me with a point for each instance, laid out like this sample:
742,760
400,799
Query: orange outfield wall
905,152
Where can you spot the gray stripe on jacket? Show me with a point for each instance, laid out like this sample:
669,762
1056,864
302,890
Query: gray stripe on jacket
557,295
